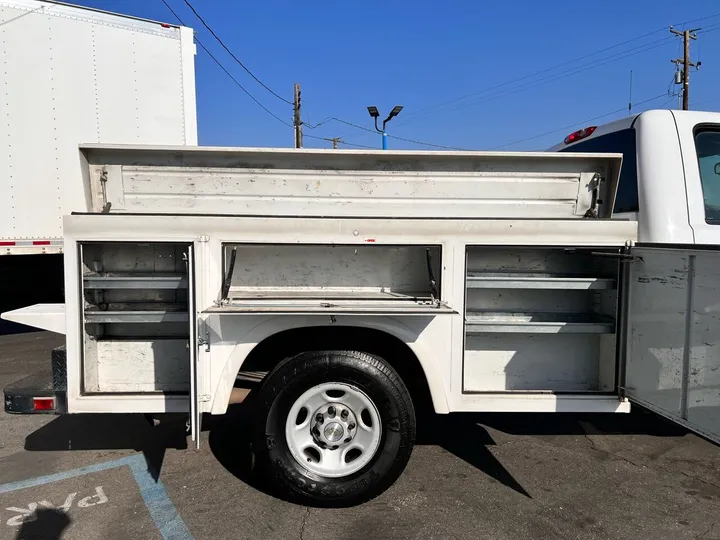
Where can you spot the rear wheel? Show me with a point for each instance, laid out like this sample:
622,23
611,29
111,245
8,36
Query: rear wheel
335,427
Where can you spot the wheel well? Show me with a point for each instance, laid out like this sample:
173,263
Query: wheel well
268,353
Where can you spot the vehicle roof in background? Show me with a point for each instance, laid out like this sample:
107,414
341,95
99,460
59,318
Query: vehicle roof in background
699,117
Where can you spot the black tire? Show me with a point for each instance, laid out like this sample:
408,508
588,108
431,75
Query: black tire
366,372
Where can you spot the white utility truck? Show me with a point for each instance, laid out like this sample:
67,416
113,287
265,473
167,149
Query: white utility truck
76,75
354,284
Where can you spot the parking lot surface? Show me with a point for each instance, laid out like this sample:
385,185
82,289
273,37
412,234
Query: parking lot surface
470,477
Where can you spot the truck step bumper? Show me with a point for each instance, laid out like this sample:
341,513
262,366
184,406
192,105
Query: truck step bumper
33,395
40,393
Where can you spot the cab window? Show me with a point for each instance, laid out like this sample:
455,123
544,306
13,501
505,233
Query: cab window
707,147
618,142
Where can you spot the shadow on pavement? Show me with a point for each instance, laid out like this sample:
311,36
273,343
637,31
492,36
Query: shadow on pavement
46,524
112,432
466,436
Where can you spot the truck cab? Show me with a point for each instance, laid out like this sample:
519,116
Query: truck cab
670,177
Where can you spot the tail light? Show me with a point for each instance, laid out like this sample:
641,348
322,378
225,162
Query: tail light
580,134
43,403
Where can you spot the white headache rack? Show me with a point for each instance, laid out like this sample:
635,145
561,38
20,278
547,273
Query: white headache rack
350,183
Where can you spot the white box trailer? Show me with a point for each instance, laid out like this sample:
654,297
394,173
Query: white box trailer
355,284
75,75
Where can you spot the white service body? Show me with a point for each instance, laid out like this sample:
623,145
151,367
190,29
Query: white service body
75,75
542,303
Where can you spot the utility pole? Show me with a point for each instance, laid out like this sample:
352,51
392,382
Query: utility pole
335,141
687,35
297,122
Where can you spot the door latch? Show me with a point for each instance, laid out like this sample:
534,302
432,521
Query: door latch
205,341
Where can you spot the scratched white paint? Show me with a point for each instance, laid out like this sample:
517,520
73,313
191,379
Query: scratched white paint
659,291
29,514
142,365
275,182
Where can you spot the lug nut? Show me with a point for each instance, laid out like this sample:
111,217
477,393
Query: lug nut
331,411
344,414
351,425
320,418
347,440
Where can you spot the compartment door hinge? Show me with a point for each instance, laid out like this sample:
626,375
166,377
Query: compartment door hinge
204,239
205,341
203,398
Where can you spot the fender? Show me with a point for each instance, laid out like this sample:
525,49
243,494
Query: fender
246,338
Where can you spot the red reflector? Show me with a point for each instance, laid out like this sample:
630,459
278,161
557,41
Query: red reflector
165,25
43,403
580,134
369,239
7,243
41,242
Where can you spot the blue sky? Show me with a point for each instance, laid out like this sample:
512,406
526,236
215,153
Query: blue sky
423,54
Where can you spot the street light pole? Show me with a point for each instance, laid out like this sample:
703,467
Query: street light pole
375,114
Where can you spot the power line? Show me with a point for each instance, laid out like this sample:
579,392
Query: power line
556,76
573,71
422,143
211,55
414,116
341,141
431,145
220,41
531,75
617,111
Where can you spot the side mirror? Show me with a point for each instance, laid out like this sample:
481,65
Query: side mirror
717,169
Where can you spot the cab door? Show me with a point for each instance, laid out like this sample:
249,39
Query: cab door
672,349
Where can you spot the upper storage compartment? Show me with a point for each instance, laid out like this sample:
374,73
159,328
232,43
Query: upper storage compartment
331,278
540,319
281,182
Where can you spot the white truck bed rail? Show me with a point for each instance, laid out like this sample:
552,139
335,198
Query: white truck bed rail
284,182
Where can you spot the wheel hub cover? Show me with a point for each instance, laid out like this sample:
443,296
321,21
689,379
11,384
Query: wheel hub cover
334,432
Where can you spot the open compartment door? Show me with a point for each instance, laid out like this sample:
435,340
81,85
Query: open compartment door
195,414
672,354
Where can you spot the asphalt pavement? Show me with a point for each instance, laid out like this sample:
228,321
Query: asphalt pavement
470,477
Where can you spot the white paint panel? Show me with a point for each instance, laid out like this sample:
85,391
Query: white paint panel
541,362
28,113
116,83
158,87
70,76
143,365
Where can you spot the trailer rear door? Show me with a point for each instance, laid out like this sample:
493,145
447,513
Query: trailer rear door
672,340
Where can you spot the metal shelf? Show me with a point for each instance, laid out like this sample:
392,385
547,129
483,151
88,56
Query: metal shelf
537,323
138,316
135,281
477,280
332,308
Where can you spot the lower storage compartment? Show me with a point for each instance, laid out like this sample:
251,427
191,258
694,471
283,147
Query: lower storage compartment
497,362
137,365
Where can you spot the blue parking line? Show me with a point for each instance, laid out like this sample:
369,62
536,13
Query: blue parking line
157,500
154,494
